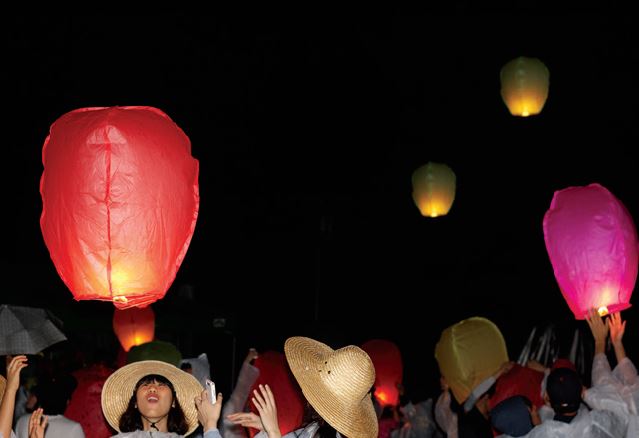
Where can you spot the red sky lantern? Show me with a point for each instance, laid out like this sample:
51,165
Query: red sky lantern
519,381
120,201
592,244
388,370
85,405
290,405
134,326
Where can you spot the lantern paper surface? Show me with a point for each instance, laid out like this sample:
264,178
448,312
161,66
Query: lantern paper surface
120,201
519,381
388,370
85,405
524,86
134,326
468,353
274,371
592,244
434,189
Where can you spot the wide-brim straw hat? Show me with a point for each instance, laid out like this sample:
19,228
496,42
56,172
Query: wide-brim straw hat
336,383
120,386
3,385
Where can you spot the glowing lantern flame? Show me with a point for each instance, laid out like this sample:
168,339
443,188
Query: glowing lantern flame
434,189
524,86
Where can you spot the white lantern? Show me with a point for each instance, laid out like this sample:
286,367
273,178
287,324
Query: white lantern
524,86
434,189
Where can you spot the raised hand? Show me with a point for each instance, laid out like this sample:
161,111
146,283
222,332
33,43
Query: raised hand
7,405
251,355
208,414
535,365
13,372
265,404
599,330
617,329
37,424
246,419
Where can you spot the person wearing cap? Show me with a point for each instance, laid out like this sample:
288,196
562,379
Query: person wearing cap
337,387
514,416
564,393
545,411
155,399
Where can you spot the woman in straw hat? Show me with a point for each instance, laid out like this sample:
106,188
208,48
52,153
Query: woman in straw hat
336,385
155,399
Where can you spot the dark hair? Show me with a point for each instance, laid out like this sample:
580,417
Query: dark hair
131,419
563,387
54,394
186,366
311,416
511,416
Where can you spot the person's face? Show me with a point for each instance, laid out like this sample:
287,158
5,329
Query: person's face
154,399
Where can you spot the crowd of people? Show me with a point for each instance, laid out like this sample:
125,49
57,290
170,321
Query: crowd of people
152,398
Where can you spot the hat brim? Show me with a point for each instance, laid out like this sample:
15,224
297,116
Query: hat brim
119,388
305,356
3,384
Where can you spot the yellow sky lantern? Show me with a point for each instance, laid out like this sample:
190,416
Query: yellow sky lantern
434,189
468,352
524,86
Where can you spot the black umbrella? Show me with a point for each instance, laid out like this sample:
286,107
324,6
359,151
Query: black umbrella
27,330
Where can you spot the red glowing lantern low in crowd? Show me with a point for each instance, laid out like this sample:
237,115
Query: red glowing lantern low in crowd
134,326
388,370
85,405
120,200
518,381
290,405
592,244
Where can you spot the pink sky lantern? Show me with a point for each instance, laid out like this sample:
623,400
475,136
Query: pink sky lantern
134,326
119,202
592,243
388,370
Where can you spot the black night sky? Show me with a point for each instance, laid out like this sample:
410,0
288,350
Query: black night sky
307,125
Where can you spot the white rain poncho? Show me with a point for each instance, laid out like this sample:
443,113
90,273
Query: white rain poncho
616,391
444,416
593,424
